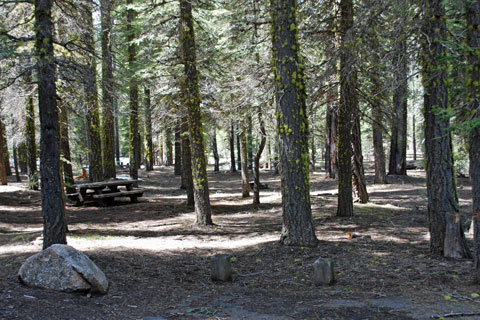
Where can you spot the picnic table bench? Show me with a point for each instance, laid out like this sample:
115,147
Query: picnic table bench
105,192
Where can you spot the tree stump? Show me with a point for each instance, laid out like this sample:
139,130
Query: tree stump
221,268
323,272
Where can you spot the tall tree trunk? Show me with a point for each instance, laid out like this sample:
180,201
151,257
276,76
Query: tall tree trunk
360,186
292,126
6,154
398,144
245,173
65,150
232,149
215,148
258,155
3,171
148,130
91,93
31,142
53,205
472,9
414,138
192,101
187,176
331,138
249,142
347,100
169,146
134,133
108,112
239,152
15,164
441,186
312,141
117,130
178,149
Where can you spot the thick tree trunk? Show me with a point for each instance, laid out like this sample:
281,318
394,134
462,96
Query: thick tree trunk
65,151
53,205
187,177
134,133
91,93
441,186
347,100
245,173
192,100
472,9
178,149
258,155
3,171
398,143
292,126
108,119
148,130
31,143
232,149
359,184
215,148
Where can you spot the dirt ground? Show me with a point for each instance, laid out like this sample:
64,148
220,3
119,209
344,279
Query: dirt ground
157,262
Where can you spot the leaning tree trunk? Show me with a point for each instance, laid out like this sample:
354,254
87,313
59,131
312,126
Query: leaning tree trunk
292,126
31,142
53,205
347,99
444,221
192,101
398,144
3,171
232,149
360,186
472,10
108,119
134,133
91,93
148,130
258,155
178,149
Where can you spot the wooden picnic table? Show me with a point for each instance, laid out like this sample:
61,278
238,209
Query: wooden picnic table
104,192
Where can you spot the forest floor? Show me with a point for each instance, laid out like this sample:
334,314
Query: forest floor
157,262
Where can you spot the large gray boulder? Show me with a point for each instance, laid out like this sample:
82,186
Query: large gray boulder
63,268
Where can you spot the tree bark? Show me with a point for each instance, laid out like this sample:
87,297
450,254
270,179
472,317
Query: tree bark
245,173
134,133
187,177
441,186
3,171
192,100
360,186
232,149
292,126
239,152
91,93
168,146
53,205
65,150
6,155
472,10
347,100
249,142
258,155
398,144
178,149
31,142
15,164
215,148
108,112
148,130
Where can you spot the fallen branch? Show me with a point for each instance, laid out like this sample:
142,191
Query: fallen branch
456,314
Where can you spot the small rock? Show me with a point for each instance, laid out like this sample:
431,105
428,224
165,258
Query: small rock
221,267
323,272
63,268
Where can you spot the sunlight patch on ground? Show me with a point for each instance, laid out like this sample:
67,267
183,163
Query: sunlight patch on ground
10,188
174,243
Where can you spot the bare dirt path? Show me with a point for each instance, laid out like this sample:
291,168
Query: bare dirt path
158,263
